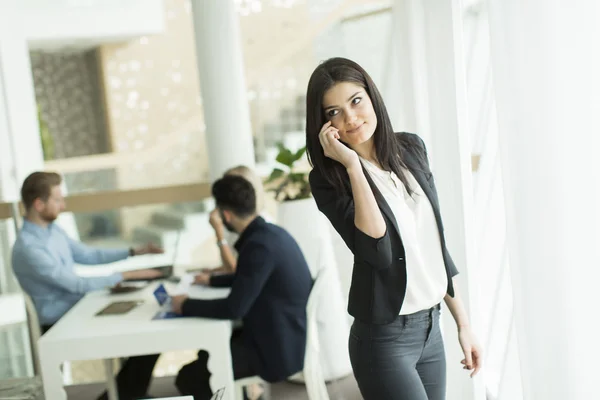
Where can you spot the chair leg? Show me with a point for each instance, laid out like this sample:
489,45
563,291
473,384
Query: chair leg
111,381
67,373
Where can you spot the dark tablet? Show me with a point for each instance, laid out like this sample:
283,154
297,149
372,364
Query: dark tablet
166,270
119,307
124,288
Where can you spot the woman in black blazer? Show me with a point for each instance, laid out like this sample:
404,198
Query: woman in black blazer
369,182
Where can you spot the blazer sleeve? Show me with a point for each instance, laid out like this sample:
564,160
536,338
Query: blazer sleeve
222,280
339,209
452,270
255,266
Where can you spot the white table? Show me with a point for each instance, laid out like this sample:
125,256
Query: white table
80,335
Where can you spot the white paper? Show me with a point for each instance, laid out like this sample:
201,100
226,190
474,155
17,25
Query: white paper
183,287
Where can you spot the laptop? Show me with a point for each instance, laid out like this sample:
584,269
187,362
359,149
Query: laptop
167,270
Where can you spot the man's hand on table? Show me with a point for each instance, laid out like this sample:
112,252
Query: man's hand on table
141,274
149,248
202,279
213,270
177,303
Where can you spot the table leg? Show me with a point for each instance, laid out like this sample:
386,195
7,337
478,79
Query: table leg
111,382
219,364
51,375
67,373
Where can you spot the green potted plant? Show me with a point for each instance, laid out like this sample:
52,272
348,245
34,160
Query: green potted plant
295,205
45,137
290,183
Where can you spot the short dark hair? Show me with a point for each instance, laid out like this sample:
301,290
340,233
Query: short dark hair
389,147
235,194
38,185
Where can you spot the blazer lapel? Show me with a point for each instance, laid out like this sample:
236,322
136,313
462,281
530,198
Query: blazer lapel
421,176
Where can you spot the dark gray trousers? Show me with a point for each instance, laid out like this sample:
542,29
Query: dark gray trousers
404,360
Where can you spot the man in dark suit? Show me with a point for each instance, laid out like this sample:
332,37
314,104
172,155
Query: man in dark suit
269,292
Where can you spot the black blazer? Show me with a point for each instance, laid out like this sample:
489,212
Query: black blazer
269,293
379,274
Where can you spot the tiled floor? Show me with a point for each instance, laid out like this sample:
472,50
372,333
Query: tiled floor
343,389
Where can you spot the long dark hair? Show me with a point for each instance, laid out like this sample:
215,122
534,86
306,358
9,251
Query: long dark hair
389,146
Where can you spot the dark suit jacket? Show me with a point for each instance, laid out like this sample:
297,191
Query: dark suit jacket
379,274
269,293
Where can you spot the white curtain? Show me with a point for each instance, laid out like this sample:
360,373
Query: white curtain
430,95
545,62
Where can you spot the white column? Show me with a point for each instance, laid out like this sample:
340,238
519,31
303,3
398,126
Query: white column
20,146
222,85
21,149
545,60
405,83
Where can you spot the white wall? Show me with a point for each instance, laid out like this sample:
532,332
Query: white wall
88,22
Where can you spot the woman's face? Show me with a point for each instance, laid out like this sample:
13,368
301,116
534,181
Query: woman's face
349,108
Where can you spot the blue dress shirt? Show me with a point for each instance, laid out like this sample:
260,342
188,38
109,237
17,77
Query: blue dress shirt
43,260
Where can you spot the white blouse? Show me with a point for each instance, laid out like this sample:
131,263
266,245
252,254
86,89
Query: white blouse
427,282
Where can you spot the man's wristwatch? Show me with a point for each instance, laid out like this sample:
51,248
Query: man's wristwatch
222,242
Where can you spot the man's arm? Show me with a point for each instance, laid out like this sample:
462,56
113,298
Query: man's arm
83,254
229,261
254,269
221,280
36,263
